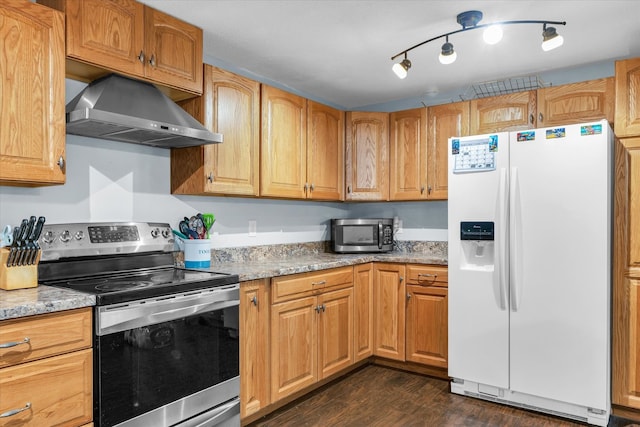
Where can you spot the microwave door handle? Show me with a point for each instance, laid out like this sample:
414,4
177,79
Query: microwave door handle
380,235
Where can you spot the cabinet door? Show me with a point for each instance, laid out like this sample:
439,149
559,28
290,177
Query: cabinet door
335,332
325,152
427,325
389,307
32,123
445,121
230,105
254,346
627,90
363,311
283,144
173,51
107,33
408,157
502,113
576,102
294,348
367,156
58,388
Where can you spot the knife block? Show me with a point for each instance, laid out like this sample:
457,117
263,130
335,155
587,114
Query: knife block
18,277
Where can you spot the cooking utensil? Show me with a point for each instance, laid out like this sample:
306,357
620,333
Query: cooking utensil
25,247
6,238
18,232
179,234
186,230
33,238
208,220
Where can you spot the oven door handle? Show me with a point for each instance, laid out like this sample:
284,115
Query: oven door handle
217,416
139,314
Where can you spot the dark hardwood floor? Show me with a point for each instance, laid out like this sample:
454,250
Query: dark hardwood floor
380,396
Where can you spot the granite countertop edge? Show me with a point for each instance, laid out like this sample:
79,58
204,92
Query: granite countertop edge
46,299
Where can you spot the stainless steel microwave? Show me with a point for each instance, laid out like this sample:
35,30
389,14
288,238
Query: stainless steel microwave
362,235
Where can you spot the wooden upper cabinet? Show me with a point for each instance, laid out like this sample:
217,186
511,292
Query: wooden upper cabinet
230,105
32,122
408,154
514,111
627,92
283,144
367,156
127,37
445,121
325,152
576,102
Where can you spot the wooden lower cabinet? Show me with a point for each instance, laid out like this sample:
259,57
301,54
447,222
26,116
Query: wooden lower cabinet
427,330
51,374
363,311
254,346
389,310
311,336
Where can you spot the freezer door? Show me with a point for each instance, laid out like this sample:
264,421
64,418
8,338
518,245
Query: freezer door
478,292
560,263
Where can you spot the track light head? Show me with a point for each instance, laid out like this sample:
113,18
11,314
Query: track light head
401,68
447,55
550,38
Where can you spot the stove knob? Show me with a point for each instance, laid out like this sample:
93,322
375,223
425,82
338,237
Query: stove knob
155,232
48,237
166,233
65,236
79,235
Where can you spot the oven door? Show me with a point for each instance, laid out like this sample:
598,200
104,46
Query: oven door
164,360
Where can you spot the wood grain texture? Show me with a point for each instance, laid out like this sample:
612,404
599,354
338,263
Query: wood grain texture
363,311
254,346
367,156
627,92
389,303
427,325
335,332
408,155
502,113
445,121
325,152
311,283
49,335
283,147
427,275
32,121
576,102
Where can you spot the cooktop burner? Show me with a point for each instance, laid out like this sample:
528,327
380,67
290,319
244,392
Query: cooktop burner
123,287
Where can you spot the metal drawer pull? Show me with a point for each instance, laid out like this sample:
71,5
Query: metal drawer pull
427,275
254,300
322,282
15,343
15,411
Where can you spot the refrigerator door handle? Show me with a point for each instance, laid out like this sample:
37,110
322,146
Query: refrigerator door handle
515,254
501,258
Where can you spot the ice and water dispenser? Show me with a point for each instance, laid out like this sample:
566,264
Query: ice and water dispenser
477,242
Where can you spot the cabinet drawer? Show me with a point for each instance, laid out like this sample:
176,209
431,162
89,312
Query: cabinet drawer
57,389
45,335
298,285
427,275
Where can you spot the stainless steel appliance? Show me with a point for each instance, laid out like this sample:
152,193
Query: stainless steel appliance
166,350
361,235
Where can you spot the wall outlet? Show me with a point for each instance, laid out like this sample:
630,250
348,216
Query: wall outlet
253,226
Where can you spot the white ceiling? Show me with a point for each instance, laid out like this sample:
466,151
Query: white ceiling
339,51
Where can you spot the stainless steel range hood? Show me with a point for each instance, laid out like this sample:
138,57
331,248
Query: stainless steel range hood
122,109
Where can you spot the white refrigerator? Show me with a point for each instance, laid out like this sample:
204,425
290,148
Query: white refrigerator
530,219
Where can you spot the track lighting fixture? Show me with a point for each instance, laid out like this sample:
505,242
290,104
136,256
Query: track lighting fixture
401,68
493,34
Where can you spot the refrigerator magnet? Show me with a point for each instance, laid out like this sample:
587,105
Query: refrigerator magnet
455,146
556,133
526,136
590,130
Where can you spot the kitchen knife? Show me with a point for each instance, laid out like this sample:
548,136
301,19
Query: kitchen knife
35,235
17,232
24,246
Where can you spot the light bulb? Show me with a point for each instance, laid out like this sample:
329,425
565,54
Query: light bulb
492,34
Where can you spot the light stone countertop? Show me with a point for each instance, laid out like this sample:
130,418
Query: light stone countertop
47,299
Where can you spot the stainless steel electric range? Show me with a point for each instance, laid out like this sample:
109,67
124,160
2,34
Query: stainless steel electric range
166,350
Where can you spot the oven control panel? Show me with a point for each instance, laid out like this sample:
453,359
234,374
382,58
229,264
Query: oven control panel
90,239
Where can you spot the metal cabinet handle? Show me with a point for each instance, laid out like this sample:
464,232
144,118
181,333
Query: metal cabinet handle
60,163
531,118
13,412
427,275
322,282
15,343
429,189
152,60
323,308
210,177
312,187
254,300
408,297
317,309
540,117
401,278
348,189
141,56
422,190
306,187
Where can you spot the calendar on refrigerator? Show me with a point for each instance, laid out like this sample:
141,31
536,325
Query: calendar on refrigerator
475,155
